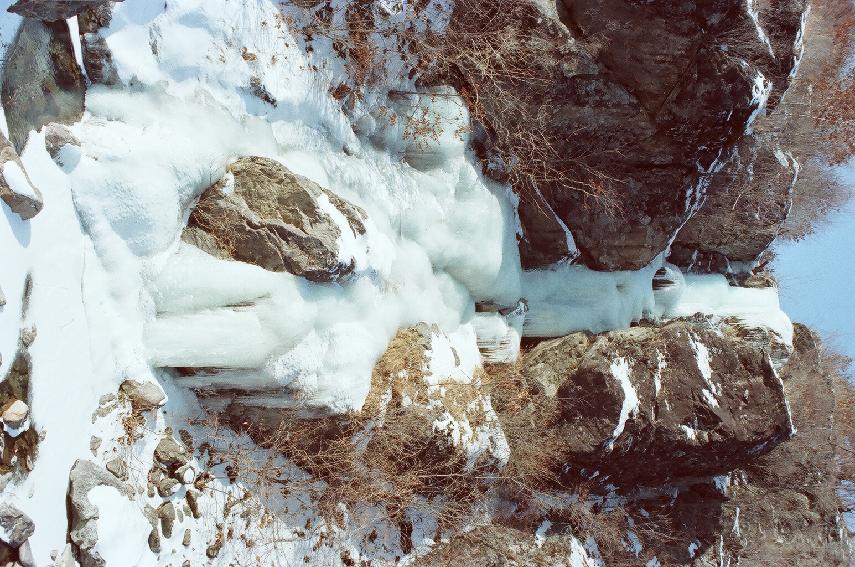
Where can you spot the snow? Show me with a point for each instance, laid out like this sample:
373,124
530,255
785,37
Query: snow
702,357
17,179
761,88
753,12
122,529
540,534
693,549
629,407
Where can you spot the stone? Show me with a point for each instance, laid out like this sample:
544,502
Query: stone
17,527
186,540
42,82
119,468
94,443
16,414
170,453
16,189
192,498
145,395
2,298
167,486
275,219
650,404
53,10
83,515
166,513
62,146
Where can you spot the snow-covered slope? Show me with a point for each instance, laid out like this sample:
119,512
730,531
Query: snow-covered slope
117,295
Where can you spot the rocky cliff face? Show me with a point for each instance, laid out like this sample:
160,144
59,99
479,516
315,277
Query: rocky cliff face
387,283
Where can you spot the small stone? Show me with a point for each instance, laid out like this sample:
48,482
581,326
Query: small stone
119,468
193,503
58,137
28,336
2,298
94,443
170,453
186,563
167,486
166,513
16,188
154,541
16,526
15,414
186,540
185,474
143,395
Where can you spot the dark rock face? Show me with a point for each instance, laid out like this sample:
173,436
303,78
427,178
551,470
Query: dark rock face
648,96
53,10
657,403
746,204
97,57
275,219
41,80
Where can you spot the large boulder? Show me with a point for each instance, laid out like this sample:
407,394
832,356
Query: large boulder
16,188
264,214
745,207
690,397
627,107
42,82
53,10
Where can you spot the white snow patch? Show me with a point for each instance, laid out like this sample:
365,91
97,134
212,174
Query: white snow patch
620,371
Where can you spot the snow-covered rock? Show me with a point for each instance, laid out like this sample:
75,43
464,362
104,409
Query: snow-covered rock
265,214
16,189
144,395
657,402
15,414
15,526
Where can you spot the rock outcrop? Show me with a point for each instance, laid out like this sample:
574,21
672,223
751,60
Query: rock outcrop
16,188
53,10
642,114
264,214
746,204
97,57
650,404
42,82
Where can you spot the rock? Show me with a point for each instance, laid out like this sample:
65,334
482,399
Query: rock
275,219
143,395
64,559
166,513
639,99
16,189
97,57
650,404
41,80
170,453
16,414
186,540
94,443
119,468
167,486
154,541
53,10
746,204
62,146
2,298
185,474
193,503
25,555
83,515
17,527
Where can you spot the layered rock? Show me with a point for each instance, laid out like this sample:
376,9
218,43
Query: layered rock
650,404
42,82
97,57
642,114
53,10
264,214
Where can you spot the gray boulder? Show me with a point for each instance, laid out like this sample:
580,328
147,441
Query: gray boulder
84,476
42,82
57,138
16,189
53,10
146,395
275,219
17,526
690,397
